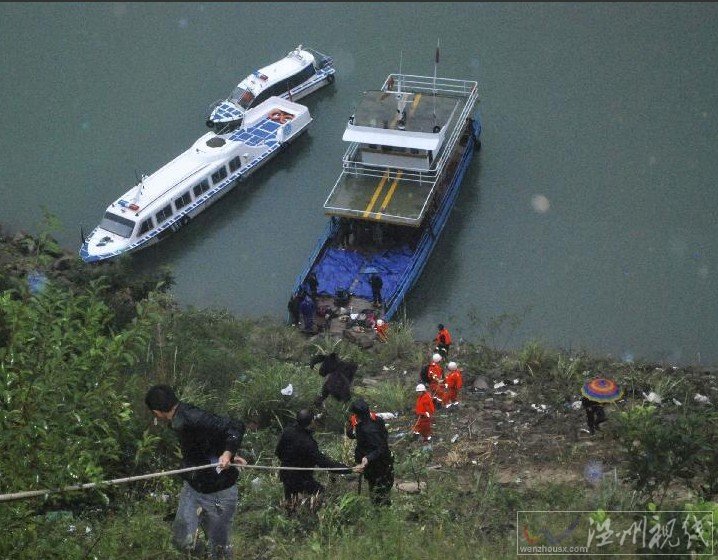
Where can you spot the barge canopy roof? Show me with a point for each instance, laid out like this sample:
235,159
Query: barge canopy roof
376,119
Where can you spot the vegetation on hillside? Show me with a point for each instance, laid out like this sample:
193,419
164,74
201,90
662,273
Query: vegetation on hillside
80,345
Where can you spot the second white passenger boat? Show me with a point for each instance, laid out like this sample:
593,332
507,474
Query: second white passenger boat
170,197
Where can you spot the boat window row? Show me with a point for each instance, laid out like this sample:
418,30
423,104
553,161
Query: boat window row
126,226
283,86
395,149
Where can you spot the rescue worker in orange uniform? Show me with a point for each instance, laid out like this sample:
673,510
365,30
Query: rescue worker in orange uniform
424,409
442,341
382,330
454,383
436,380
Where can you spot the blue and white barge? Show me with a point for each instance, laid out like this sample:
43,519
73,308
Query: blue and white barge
410,144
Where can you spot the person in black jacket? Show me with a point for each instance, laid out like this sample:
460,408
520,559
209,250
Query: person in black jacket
338,375
372,452
209,496
297,448
595,414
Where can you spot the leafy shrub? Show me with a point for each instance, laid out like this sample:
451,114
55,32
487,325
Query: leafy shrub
256,396
659,449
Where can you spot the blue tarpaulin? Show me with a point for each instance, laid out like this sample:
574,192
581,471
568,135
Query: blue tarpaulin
350,270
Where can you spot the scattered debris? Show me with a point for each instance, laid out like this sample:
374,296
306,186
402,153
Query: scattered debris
387,415
287,391
455,438
411,487
498,385
701,399
677,402
576,405
652,397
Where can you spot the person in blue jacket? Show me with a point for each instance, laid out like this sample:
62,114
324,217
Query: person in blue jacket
308,310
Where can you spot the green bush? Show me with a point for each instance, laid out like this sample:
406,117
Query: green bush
256,396
662,448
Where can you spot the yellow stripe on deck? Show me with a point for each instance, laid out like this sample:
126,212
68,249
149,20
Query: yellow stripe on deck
390,194
377,192
415,102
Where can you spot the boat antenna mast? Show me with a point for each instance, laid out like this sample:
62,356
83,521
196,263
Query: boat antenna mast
140,177
436,63
400,98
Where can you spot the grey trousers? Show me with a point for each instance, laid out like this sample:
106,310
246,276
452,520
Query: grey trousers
212,513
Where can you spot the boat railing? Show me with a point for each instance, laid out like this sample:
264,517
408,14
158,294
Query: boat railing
320,56
460,88
352,166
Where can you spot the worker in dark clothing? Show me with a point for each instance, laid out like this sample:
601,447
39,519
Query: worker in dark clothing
293,308
209,496
595,414
372,452
376,284
297,448
308,310
313,285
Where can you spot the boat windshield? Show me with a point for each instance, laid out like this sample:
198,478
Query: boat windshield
242,97
117,224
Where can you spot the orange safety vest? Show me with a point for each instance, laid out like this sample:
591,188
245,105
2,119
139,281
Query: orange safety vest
424,404
436,373
443,337
354,419
382,330
455,382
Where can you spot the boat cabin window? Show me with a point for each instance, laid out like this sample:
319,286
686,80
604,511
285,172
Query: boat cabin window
183,200
234,164
202,187
117,224
146,226
163,214
242,97
218,175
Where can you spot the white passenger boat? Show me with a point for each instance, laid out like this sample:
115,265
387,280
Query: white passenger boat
298,74
171,196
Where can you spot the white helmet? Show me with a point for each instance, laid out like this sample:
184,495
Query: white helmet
379,322
452,366
420,388
436,358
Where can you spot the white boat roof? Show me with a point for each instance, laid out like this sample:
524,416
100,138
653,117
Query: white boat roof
292,63
396,138
376,120
183,168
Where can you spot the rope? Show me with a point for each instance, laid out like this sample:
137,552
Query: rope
86,486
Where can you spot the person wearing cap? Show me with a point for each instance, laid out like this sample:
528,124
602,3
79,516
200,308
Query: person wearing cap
424,409
382,330
372,453
437,385
442,341
454,383
298,448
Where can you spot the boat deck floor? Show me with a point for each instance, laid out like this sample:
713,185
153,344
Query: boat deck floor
380,198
